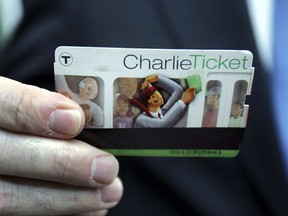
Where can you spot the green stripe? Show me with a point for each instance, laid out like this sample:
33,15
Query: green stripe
175,152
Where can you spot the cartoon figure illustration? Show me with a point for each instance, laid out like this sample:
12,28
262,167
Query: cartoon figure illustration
88,115
128,86
124,114
88,90
212,105
157,113
236,119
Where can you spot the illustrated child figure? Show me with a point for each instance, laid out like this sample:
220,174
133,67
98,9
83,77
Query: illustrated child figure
88,115
236,118
157,112
128,86
212,105
124,116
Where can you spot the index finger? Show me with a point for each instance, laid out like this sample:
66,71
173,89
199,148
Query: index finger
37,111
67,161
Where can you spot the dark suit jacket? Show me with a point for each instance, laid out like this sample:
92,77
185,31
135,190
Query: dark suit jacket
251,184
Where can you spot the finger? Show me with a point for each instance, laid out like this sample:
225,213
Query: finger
97,213
31,197
66,161
38,111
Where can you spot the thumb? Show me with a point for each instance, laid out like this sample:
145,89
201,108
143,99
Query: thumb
33,110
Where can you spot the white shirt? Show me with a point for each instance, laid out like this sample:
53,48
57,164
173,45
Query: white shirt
11,13
261,16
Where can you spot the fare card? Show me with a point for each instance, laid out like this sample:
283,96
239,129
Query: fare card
159,102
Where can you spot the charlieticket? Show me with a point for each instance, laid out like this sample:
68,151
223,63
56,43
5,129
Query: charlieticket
159,102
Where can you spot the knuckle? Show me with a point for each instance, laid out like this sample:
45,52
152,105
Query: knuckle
14,194
31,152
20,117
18,158
6,197
5,148
63,164
15,104
43,202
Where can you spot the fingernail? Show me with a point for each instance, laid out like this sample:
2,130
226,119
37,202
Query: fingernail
113,192
104,169
65,121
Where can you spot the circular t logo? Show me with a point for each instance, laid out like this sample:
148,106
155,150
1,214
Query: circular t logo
66,59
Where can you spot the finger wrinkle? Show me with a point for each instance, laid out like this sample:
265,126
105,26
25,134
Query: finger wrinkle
24,198
20,117
14,107
22,109
31,149
4,139
13,144
62,159
6,195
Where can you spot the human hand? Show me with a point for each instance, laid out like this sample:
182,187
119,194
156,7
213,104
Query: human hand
150,79
188,95
42,170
